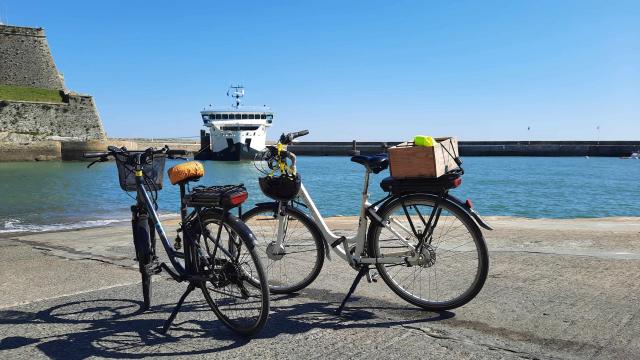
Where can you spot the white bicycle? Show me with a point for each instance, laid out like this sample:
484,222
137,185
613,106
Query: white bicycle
426,244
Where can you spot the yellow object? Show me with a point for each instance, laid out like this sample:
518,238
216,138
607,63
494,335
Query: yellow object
421,140
138,173
185,171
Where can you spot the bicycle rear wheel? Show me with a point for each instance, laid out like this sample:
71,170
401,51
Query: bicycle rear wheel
450,268
237,289
300,262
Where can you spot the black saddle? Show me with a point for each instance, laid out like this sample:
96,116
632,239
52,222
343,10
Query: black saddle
374,163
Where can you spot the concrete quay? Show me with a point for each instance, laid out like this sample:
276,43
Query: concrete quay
557,289
484,148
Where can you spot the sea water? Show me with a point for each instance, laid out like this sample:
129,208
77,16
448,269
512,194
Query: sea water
41,196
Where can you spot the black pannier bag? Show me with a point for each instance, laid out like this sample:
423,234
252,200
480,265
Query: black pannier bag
448,181
280,188
226,196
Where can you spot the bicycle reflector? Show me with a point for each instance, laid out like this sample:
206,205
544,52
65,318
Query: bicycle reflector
238,198
469,203
457,181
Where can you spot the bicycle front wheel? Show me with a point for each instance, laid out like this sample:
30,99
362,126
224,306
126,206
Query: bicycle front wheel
237,290
294,266
144,254
447,270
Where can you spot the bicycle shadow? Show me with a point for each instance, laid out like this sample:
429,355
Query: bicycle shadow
117,328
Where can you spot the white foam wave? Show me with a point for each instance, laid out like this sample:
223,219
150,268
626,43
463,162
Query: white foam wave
16,226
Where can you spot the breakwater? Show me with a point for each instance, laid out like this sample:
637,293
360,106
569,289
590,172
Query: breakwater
483,148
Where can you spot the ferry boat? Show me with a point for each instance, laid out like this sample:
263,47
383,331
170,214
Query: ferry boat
235,132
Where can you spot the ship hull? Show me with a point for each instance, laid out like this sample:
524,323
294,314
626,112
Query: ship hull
233,152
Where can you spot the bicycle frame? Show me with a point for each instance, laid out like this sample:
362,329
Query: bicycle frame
340,244
172,253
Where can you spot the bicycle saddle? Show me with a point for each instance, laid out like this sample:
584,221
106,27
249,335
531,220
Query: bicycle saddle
374,163
188,171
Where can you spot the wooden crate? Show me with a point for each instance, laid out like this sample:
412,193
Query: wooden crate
409,161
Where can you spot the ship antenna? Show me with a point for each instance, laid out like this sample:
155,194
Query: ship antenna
236,92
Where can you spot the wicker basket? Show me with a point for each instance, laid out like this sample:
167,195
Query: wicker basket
153,172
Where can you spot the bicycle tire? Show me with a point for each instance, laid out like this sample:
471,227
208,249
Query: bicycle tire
256,219
144,254
434,254
245,269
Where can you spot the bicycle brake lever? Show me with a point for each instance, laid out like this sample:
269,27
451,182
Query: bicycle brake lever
96,161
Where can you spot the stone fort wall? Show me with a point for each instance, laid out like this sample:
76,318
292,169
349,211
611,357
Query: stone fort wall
27,127
76,119
25,59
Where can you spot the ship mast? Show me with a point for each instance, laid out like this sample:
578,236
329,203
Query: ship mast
236,92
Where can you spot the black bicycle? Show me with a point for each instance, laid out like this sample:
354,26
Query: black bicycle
218,254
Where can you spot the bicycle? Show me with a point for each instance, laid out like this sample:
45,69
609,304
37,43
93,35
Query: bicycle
218,255
420,237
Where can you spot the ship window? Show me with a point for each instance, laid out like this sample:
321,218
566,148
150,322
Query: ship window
251,116
218,116
225,116
270,117
245,116
263,116
238,116
205,117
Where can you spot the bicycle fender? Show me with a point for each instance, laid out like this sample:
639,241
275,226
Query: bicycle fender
471,211
463,206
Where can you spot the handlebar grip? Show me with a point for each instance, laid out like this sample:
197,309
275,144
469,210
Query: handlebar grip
89,155
299,134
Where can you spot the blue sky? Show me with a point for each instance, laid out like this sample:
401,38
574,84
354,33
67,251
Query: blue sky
367,70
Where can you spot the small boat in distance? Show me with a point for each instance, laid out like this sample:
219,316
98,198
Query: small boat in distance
234,132
635,155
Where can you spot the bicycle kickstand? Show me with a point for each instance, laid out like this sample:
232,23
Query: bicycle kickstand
363,271
175,311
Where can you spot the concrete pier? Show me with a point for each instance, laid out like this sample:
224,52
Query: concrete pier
485,148
557,289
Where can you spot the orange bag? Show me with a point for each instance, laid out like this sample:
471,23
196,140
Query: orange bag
190,170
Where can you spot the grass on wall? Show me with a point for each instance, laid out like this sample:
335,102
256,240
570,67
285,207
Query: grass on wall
19,93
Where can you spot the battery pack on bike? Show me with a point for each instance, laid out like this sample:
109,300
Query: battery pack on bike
227,196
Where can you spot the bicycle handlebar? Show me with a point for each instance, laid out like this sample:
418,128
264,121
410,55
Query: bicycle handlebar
288,138
142,155
90,155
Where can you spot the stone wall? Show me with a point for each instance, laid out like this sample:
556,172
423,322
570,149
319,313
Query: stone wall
25,59
33,151
76,119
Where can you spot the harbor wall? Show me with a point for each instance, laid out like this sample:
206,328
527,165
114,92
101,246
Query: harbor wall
73,150
483,148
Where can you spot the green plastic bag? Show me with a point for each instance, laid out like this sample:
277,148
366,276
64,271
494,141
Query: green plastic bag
421,140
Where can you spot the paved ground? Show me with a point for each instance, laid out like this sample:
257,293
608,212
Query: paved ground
556,289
